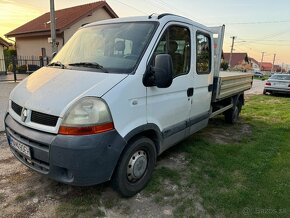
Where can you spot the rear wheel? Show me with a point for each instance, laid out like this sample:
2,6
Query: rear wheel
232,115
135,167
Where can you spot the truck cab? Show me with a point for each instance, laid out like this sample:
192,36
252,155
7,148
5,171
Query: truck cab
117,95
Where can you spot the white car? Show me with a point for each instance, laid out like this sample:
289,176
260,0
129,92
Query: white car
278,83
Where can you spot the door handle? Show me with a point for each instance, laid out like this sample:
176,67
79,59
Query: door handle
190,92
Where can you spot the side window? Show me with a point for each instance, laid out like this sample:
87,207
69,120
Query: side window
203,53
176,42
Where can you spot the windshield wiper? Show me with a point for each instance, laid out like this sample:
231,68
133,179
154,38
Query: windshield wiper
91,65
57,64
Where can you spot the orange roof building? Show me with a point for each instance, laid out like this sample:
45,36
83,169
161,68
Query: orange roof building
237,58
266,66
32,37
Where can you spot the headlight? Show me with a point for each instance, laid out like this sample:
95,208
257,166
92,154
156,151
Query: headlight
89,115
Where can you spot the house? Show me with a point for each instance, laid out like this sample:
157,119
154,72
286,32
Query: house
3,44
266,66
32,38
254,64
237,59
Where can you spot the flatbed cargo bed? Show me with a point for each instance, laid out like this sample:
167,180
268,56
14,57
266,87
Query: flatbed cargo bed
231,83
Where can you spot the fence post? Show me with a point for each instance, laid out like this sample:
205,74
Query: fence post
14,60
41,62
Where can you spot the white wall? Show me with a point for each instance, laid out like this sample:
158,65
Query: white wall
99,14
31,46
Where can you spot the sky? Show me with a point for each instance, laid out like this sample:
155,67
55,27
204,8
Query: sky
258,25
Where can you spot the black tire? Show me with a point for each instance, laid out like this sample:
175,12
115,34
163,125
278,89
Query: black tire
126,183
232,115
264,92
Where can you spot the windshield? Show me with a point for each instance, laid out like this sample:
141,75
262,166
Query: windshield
110,48
280,77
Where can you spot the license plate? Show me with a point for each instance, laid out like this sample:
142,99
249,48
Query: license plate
24,149
279,84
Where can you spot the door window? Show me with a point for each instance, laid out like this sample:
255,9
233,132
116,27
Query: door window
203,54
176,42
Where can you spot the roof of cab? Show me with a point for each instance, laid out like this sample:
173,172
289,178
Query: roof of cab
161,18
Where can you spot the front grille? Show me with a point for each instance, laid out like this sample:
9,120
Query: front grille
17,109
44,119
36,117
39,152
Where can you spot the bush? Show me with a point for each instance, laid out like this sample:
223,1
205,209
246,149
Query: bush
224,65
10,68
21,69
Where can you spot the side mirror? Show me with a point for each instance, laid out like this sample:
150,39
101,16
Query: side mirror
163,70
161,75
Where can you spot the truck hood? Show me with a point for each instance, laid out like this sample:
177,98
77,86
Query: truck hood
52,90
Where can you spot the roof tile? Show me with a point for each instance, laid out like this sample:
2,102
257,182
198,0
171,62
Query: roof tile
237,58
64,18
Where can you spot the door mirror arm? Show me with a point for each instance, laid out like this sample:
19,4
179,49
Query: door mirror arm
161,75
149,77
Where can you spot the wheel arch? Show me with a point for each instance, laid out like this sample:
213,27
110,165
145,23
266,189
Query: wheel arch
148,130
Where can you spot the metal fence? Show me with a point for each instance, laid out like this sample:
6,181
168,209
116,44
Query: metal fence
19,67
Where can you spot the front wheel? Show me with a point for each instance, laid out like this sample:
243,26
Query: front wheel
135,167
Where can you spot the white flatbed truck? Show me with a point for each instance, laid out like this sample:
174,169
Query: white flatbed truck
118,94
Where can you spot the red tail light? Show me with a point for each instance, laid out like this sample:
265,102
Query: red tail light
289,85
268,84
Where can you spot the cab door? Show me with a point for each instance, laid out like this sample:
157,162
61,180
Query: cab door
202,80
169,108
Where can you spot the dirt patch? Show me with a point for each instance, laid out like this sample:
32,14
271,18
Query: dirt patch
221,133
25,193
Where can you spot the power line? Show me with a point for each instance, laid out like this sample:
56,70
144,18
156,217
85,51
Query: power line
173,7
261,43
143,12
259,22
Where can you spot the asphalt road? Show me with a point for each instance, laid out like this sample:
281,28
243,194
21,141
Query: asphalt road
5,89
257,88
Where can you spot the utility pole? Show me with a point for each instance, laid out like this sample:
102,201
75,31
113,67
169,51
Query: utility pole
274,58
231,54
262,60
52,27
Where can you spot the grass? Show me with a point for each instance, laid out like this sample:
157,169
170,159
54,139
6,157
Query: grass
265,77
82,202
250,177
159,176
247,173
25,196
2,197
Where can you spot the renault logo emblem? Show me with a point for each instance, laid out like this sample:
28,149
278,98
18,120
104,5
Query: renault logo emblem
23,114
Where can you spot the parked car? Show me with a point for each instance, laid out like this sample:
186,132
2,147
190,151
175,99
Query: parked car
278,83
258,74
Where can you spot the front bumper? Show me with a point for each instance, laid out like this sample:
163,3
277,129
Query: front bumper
76,160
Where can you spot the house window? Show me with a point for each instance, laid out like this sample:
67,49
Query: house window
203,53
